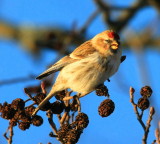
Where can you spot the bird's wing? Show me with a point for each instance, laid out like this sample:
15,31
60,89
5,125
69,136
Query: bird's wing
83,50
57,66
79,53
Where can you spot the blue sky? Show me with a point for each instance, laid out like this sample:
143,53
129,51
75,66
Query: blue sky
121,127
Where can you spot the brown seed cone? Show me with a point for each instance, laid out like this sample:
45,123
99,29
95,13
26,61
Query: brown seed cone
102,90
13,122
18,104
19,114
106,108
73,136
57,107
22,116
146,91
143,103
7,111
82,120
61,95
62,132
39,98
23,125
37,120
29,110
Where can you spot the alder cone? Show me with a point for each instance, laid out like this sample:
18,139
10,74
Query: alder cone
146,91
37,120
106,108
143,103
82,120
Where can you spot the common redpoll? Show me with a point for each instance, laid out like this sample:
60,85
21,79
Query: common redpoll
88,66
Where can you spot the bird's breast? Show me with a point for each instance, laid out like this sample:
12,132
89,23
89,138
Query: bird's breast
85,75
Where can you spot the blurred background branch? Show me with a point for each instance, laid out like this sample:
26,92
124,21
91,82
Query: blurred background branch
35,39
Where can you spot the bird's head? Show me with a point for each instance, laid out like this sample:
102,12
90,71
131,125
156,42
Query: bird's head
107,42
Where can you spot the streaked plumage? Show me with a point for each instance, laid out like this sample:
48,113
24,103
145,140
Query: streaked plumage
88,66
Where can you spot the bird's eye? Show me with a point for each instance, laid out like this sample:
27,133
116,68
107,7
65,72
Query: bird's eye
108,41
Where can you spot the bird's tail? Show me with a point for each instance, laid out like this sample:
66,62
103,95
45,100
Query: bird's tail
48,97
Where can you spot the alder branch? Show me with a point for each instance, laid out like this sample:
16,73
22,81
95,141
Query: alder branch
10,138
157,134
139,116
148,125
51,122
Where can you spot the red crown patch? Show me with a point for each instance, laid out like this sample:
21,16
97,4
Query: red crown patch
113,35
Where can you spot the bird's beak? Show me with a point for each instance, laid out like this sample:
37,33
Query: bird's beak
114,45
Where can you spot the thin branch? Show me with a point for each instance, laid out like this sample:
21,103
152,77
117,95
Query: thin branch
10,129
157,134
17,80
28,94
139,118
64,117
5,134
79,103
148,125
51,122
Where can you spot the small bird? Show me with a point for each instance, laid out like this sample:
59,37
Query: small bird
87,67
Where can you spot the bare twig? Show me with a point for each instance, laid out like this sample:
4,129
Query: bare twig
66,116
10,129
28,94
27,100
5,134
148,124
30,105
79,104
63,118
139,118
51,122
157,134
